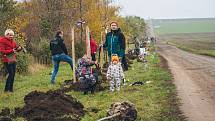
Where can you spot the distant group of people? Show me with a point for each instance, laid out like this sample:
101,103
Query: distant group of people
114,43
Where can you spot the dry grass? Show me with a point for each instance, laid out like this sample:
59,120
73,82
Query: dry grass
35,68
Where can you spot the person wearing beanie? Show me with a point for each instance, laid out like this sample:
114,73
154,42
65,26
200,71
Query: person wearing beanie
115,73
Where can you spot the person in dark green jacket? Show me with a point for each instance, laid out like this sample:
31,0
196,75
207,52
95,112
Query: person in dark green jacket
115,43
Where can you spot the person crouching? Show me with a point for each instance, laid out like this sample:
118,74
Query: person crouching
86,75
115,73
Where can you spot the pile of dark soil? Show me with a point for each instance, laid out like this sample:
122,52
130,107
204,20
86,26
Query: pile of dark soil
5,115
124,111
5,112
5,119
50,106
131,57
129,61
69,85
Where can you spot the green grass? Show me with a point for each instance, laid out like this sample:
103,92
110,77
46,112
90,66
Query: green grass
203,44
155,101
183,26
190,49
25,84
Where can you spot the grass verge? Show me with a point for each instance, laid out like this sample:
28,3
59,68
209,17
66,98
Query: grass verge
190,48
154,101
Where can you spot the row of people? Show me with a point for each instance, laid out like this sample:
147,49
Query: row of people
115,44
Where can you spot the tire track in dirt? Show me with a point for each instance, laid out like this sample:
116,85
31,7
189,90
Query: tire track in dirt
194,77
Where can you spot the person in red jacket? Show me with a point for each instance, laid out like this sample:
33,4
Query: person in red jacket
93,47
8,49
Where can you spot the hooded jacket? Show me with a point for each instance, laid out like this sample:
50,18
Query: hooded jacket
115,71
115,43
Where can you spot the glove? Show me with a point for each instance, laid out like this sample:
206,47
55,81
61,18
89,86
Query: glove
19,48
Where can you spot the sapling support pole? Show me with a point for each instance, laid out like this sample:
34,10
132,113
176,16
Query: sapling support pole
88,50
73,53
101,54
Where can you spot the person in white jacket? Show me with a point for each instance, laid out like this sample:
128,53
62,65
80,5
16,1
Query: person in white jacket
115,73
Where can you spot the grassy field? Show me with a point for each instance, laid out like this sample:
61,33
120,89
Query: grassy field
155,101
199,43
185,26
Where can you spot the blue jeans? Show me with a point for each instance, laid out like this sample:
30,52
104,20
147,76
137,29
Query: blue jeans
56,61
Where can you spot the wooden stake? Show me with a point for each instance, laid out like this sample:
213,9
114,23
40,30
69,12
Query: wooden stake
88,50
101,52
73,53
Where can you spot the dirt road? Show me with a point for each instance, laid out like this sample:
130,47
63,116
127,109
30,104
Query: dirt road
194,77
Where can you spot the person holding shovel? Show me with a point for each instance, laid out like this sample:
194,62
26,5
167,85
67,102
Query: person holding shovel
8,50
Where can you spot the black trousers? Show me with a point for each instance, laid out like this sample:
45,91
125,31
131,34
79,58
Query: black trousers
124,63
93,57
11,70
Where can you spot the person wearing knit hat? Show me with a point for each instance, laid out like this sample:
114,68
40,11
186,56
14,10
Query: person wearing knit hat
115,73
115,59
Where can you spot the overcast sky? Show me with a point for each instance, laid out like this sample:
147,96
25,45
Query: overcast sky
168,8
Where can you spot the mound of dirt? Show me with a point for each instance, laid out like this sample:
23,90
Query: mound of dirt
50,106
69,85
5,115
5,112
124,111
131,57
5,119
